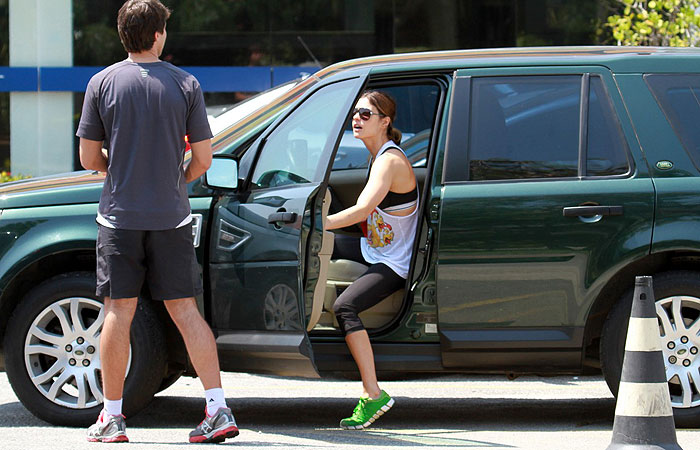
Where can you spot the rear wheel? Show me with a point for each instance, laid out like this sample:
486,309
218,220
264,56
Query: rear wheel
52,352
677,296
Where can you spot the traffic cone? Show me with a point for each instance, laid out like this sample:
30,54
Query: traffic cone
643,414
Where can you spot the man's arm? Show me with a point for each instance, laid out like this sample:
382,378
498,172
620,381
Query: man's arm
201,160
91,156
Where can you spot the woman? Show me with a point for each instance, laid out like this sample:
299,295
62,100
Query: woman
388,203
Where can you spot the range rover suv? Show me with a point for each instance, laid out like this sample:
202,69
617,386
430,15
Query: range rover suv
549,179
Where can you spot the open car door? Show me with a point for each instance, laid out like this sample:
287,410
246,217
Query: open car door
267,249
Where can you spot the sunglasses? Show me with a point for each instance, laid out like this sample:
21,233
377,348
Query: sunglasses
366,113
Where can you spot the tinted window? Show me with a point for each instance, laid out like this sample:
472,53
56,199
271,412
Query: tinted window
679,98
416,106
524,127
297,150
607,149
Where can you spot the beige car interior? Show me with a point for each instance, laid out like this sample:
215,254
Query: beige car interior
336,275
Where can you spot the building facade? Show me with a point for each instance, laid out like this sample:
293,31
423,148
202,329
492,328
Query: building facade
50,48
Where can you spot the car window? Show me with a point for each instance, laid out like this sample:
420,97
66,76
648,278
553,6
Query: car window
524,127
607,148
416,106
679,99
296,151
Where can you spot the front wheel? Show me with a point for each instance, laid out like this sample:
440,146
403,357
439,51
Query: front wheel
52,352
677,296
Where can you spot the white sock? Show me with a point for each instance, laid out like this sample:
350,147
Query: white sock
113,407
215,400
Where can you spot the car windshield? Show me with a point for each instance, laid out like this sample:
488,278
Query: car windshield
227,116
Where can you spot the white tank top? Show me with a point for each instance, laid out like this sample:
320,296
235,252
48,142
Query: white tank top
390,238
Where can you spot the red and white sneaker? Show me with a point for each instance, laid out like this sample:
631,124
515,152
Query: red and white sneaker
216,428
108,429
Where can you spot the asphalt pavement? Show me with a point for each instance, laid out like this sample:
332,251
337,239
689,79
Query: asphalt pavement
442,412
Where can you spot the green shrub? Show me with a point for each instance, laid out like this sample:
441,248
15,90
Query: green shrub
671,23
7,176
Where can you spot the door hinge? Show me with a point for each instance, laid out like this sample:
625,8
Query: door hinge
435,211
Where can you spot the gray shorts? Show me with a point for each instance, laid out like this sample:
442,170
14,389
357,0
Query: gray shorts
165,260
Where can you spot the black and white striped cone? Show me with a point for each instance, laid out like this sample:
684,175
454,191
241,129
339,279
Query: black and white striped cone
643,414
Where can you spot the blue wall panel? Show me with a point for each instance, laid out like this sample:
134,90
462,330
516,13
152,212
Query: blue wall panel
212,78
18,79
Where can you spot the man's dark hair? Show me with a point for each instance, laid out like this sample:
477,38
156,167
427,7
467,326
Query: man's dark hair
138,21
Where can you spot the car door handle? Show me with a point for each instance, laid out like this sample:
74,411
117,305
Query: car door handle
282,217
592,210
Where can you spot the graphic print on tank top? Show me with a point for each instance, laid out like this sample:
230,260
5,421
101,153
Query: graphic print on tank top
379,233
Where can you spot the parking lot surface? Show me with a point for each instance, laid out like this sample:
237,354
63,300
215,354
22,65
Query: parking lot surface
462,412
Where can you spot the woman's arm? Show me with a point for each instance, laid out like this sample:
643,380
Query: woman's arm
380,179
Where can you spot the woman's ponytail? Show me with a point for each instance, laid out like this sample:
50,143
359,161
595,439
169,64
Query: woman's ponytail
394,134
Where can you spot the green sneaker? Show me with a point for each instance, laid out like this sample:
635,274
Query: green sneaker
367,411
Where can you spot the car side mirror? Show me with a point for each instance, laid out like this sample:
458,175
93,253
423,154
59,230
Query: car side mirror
222,174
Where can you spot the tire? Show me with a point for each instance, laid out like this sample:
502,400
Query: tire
677,295
169,380
54,368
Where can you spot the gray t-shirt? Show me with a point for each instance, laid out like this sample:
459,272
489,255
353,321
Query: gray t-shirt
142,112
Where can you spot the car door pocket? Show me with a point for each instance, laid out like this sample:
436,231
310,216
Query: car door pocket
281,217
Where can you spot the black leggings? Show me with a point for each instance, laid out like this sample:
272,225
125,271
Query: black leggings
373,286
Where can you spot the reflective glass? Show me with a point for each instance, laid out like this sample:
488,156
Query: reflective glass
416,106
223,173
607,149
297,150
679,98
524,127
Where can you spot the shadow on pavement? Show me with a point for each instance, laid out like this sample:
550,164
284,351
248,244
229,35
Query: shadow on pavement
474,414
444,422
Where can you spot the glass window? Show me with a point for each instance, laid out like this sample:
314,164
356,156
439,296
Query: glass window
96,41
524,127
679,98
416,106
297,150
302,32
607,149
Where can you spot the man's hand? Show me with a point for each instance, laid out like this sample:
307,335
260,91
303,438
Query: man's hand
201,160
91,155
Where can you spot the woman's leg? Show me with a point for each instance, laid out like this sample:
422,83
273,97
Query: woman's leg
372,287
361,351
377,283
347,247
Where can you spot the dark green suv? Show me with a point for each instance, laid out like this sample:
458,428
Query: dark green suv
550,178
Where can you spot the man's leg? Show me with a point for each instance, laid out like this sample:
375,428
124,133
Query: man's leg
219,423
199,340
114,344
114,356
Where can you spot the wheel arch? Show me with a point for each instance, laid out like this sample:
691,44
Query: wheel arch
45,263
620,283
54,260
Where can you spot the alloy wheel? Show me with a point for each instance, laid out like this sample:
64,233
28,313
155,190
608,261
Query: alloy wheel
281,309
679,320
62,352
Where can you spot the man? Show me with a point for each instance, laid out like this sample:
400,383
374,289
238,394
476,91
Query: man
141,109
